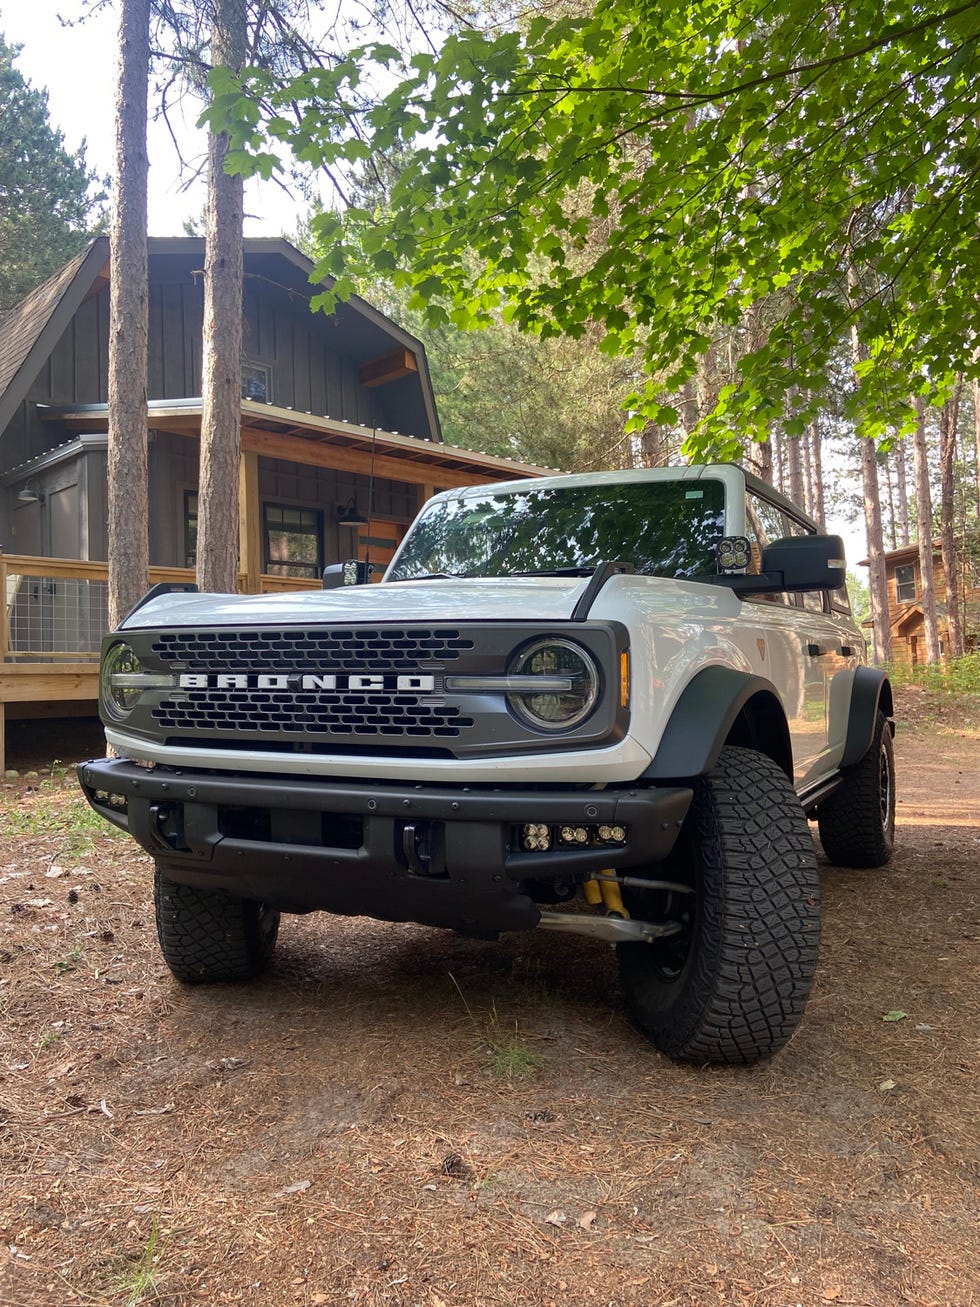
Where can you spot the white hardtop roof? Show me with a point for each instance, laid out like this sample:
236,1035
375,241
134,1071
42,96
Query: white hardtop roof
734,479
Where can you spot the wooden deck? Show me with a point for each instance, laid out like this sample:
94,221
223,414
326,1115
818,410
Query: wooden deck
53,619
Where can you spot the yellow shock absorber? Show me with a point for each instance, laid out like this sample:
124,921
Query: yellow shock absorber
612,897
592,892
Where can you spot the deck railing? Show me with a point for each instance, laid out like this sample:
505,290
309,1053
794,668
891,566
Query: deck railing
56,610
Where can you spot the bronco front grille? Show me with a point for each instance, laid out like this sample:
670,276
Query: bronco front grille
381,649
348,715
353,689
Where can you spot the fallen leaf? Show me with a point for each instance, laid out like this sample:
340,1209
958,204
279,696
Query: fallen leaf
300,1187
587,1220
895,1015
888,1084
831,1295
557,1217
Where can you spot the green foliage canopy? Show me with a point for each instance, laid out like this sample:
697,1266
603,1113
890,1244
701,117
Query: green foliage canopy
657,169
49,201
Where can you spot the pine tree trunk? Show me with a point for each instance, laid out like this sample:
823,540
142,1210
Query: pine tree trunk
651,451
948,418
877,584
923,511
902,487
779,462
128,514
795,468
758,457
217,538
816,456
976,436
807,459
890,487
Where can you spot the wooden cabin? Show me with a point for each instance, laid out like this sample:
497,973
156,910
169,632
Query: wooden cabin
340,447
904,579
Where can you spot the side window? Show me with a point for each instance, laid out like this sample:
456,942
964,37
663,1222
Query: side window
814,601
905,584
764,522
840,601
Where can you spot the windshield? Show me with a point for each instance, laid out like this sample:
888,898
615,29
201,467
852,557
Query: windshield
664,528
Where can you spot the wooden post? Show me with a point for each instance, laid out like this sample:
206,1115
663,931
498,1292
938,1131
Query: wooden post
250,525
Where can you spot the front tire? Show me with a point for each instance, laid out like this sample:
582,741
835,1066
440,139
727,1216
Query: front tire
731,985
208,937
857,822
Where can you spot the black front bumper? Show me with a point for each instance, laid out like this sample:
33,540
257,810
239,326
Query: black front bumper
437,854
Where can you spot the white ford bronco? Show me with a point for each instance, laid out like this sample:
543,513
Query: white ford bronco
604,704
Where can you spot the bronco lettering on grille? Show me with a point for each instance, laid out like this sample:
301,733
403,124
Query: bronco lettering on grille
367,682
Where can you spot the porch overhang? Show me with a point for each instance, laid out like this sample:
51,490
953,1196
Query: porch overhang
312,441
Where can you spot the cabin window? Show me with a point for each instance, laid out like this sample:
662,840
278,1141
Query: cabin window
292,541
190,528
256,382
905,584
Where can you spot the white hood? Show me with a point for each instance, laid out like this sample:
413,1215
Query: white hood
514,598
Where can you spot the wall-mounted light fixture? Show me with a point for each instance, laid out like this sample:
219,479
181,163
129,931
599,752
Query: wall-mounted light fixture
348,514
31,493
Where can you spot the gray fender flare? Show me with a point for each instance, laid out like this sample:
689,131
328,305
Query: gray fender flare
721,705
871,692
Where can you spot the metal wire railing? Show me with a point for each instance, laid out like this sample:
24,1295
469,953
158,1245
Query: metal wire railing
56,610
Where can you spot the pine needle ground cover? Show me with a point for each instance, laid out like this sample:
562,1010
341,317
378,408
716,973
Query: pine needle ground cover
395,1116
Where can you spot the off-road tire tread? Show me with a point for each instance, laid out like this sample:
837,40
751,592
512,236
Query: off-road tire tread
209,937
749,975
849,821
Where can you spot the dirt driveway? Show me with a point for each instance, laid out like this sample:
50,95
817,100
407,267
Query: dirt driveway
398,1117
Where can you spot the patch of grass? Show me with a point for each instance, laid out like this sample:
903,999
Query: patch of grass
955,676
62,814
508,1054
139,1281
69,963
510,1057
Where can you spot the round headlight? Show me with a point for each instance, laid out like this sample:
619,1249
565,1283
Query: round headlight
119,693
552,708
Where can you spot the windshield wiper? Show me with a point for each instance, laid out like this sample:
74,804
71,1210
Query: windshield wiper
433,576
582,570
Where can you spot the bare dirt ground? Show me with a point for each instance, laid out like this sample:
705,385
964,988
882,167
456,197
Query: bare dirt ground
399,1117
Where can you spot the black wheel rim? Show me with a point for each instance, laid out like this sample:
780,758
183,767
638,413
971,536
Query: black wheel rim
885,790
671,952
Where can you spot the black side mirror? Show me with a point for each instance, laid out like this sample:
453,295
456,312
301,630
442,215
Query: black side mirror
807,562
812,562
